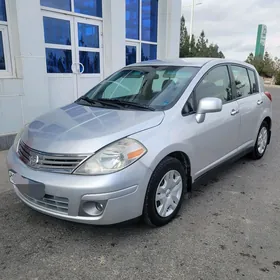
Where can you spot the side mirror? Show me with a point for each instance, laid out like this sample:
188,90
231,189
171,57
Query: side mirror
208,105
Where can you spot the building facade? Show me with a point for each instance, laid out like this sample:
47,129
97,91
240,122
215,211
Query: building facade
53,51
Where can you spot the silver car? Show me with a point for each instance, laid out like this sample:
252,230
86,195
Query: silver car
136,142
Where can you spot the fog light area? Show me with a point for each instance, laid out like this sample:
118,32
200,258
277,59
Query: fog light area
93,208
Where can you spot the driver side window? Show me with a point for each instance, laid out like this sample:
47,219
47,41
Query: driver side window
215,84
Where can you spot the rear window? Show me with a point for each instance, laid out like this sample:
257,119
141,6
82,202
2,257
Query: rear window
253,81
242,82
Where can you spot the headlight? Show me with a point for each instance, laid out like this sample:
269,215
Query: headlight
113,158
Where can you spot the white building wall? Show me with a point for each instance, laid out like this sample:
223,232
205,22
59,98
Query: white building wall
114,39
169,28
26,94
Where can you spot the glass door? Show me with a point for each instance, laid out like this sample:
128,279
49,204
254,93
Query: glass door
60,56
88,65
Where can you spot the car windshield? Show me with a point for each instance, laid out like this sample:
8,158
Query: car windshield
141,88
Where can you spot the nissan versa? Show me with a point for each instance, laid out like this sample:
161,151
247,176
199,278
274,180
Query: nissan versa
136,142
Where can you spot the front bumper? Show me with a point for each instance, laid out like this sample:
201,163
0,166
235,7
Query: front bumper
121,193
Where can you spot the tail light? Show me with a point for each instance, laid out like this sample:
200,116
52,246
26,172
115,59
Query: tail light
268,94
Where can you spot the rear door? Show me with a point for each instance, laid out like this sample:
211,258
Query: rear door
249,102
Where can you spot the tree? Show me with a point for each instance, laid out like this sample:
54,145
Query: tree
277,78
199,47
268,65
213,51
265,66
184,39
250,58
193,50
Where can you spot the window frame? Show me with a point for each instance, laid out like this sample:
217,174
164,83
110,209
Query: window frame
193,94
72,12
7,47
140,41
54,15
235,89
74,47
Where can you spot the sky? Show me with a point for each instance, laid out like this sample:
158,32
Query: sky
233,24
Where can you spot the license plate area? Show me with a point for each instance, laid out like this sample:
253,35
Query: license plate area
26,186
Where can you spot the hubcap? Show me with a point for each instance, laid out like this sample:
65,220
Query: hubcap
262,140
169,192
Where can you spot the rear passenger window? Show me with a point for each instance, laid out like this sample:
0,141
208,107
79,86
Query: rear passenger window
215,84
253,81
242,82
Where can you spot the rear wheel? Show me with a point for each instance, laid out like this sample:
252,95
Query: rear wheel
261,142
165,192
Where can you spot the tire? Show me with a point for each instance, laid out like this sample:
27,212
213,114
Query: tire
258,152
167,173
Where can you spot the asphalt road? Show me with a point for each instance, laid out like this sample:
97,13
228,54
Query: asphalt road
230,229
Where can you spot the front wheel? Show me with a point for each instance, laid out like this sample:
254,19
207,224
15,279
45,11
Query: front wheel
165,192
261,142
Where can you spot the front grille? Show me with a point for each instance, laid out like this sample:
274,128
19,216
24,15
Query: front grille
48,162
54,203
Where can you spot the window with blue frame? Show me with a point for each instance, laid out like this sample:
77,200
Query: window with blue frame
89,7
144,29
2,56
57,4
3,15
132,19
57,31
131,54
148,52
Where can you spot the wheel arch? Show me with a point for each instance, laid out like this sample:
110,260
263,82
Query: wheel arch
182,157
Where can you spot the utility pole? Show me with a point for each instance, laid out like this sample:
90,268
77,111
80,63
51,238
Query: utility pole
192,16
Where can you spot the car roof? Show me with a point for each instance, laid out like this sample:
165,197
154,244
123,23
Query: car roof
190,61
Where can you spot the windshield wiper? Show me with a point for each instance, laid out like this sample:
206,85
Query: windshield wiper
98,102
126,103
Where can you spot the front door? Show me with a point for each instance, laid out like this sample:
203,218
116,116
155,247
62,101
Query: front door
217,137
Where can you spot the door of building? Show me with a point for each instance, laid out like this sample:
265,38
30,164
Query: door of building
87,65
74,54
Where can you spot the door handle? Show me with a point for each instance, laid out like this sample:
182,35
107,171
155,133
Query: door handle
78,67
260,102
234,112
72,68
83,67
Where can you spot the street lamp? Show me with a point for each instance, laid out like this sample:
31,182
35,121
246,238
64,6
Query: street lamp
192,16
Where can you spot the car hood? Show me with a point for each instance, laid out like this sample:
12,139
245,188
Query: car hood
77,129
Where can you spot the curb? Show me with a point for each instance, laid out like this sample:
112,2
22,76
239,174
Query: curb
272,86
